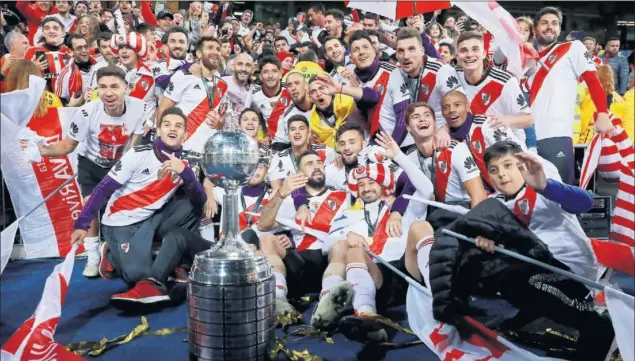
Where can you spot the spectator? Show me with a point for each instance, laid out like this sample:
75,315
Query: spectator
446,52
16,44
34,14
18,79
81,8
618,63
88,27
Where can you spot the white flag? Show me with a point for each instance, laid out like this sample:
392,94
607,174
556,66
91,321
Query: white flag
621,309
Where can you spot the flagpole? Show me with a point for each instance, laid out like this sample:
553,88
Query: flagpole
408,279
521,257
48,197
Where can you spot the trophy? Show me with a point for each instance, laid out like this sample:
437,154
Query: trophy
231,290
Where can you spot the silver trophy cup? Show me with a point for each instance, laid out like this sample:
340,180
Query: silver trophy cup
231,292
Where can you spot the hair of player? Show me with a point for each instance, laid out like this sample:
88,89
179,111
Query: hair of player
269,60
143,28
336,14
104,36
280,38
177,29
306,154
358,35
261,117
329,38
612,38
449,46
308,55
409,33
371,16
297,118
546,11
204,39
111,70
500,149
349,127
48,19
414,106
469,35
317,8
173,111
71,37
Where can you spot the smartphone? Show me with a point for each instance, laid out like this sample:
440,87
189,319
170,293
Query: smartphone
224,32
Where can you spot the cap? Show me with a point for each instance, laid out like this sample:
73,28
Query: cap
165,14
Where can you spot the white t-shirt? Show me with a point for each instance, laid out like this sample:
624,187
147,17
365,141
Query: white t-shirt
142,192
263,102
553,92
235,100
105,137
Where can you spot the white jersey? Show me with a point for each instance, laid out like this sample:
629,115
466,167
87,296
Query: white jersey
141,86
235,100
336,178
335,73
448,170
92,75
434,80
190,95
392,90
558,229
142,192
279,126
553,92
248,196
497,93
104,138
265,104
162,68
284,163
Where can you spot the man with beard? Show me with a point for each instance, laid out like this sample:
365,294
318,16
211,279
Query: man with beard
284,162
75,77
238,96
335,53
300,260
334,24
163,69
564,64
425,77
386,80
316,17
492,92
53,55
265,97
300,104
198,96
106,127
131,50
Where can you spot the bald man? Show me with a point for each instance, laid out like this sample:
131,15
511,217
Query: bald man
238,95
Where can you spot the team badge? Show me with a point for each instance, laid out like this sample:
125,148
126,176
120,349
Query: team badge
174,177
477,145
145,85
444,166
551,58
283,101
332,205
523,205
125,247
360,169
486,98
380,88
425,88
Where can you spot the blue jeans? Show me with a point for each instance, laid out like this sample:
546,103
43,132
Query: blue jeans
530,133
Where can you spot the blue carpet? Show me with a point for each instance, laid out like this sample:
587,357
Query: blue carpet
88,316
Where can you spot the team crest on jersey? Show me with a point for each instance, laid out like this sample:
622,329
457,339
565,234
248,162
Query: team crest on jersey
283,101
444,166
523,205
145,85
551,58
486,98
477,145
425,88
332,205
125,247
380,89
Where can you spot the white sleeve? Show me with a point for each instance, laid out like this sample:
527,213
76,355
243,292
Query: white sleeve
177,86
275,172
515,103
580,59
464,164
419,180
80,124
218,195
397,88
125,168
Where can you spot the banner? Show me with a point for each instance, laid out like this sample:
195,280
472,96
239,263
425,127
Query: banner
47,231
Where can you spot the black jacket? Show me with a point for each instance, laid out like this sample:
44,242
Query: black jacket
458,269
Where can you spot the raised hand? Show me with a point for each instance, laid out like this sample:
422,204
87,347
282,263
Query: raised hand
173,164
328,85
532,171
390,147
291,183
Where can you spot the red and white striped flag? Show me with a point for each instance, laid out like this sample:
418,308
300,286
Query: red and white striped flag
504,28
34,339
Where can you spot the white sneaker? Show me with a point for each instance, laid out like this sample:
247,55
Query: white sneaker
332,305
92,265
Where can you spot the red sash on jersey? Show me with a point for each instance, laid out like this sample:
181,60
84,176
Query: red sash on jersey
486,97
56,61
197,116
380,86
428,82
277,112
442,174
142,86
145,196
242,217
477,148
323,217
524,205
381,236
554,57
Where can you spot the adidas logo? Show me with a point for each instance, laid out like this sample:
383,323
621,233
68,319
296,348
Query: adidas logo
74,128
145,171
469,163
197,87
521,101
560,155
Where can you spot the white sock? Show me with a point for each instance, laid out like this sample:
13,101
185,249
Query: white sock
363,286
91,245
329,282
281,286
423,257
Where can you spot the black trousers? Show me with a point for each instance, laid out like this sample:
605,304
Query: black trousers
130,247
535,291
559,151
